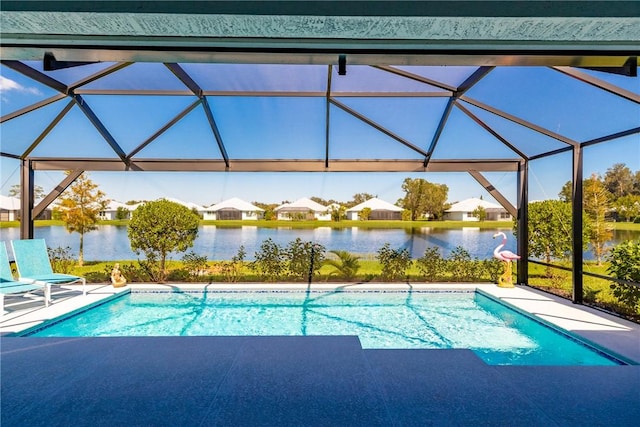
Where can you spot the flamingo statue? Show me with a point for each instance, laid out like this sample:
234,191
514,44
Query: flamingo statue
504,281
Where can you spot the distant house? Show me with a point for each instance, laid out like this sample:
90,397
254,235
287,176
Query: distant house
10,209
233,209
380,210
463,211
110,212
303,209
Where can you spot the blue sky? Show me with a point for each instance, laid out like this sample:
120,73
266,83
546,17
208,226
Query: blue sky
286,128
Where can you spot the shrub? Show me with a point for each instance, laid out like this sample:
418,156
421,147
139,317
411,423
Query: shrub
62,260
346,266
459,262
270,261
158,228
194,264
395,262
493,268
231,269
304,258
431,264
625,265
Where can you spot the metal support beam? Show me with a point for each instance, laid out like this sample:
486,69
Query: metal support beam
185,78
215,130
490,130
327,126
421,79
523,223
100,127
440,128
290,165
472,80
577,197
26,199
611,137
494,192
519,121
379,128
37,76
66,182
32,107
48,129
99,75
600,84
163,129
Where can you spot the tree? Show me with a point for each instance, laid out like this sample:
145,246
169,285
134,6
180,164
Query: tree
346,266
596,205
619,180
79,207
160,227
628,207
122,213
423,198
550,230
359,198
625,265
38,192
566,192
364,214
338,213
480,212
636,183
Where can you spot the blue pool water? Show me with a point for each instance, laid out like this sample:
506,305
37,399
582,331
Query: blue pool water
404,320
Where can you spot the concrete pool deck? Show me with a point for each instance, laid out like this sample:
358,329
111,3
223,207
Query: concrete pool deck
306,380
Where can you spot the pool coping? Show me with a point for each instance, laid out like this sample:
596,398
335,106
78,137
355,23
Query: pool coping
605,332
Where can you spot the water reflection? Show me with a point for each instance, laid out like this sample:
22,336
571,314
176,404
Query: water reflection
217,243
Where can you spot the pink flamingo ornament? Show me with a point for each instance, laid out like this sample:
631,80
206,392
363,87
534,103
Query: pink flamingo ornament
504,281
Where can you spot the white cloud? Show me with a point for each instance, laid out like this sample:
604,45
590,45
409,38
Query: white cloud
7,85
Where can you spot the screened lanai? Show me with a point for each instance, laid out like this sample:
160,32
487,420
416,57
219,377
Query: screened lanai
424,87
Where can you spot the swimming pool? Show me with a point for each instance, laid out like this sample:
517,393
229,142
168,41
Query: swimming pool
381,319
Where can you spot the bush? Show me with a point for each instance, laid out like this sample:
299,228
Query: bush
231,269
625,265
270,261
395,262
493,268
303,257
346,266
458,263
431,264
62,260
194,264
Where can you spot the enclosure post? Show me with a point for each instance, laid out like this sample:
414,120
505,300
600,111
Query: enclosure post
523,223
26,199
576,204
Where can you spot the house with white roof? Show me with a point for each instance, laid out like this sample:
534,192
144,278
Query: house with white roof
110,212
9,208
303,209
463,211
233,209
380,210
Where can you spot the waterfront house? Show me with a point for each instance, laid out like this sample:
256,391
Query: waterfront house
110,212
380,210
464,211
233,209
9,208
303,209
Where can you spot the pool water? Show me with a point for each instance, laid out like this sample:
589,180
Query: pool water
398,320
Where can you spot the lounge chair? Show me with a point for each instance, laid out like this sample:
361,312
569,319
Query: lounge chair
34,266
9,286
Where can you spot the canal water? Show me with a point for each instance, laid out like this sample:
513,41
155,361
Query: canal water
109,242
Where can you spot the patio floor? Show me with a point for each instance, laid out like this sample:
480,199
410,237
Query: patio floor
283,381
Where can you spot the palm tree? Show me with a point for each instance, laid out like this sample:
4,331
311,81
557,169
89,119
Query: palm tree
346,266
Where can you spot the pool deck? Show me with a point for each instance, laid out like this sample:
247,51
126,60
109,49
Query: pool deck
322,381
